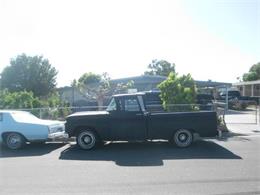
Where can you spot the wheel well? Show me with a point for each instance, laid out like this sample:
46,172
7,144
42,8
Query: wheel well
80,128
5,134
189,129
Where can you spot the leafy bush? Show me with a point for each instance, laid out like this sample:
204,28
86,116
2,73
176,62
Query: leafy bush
178,90
48,108
18,100
237,105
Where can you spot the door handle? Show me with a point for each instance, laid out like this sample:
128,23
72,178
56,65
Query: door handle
143,114
139,114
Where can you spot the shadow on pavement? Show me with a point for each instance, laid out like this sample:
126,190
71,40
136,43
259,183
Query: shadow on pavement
148,154
230,135
30,150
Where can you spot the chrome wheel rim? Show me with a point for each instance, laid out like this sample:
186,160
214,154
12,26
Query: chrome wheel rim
86,140
14,141
183,138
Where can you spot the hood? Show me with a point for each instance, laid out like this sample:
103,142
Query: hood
89,113
51,122
45,122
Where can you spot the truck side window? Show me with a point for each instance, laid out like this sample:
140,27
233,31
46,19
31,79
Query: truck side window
132,105
112,105
1,117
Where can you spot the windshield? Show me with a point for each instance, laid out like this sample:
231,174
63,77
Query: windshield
112,105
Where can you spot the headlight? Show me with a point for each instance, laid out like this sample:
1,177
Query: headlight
56,129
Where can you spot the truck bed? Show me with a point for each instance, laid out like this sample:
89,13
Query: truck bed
163,124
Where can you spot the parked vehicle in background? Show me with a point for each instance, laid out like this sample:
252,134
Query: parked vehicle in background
237,101
127,119
204,101
153,101
232,94
19,127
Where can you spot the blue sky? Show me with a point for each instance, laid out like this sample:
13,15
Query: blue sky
211,39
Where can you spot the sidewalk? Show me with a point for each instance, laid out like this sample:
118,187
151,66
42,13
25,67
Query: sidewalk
243,124
245,129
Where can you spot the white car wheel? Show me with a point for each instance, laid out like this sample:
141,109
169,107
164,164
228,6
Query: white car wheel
14,141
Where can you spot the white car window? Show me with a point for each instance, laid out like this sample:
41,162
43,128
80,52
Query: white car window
24,117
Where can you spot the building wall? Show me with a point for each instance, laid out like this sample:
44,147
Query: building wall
140,83
257,90
250,88
241,90
248,91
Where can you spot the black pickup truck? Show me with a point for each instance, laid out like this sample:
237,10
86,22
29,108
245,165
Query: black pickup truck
127,119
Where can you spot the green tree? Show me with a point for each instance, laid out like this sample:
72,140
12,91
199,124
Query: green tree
18,100
99,87
160,67
30,74
253,74
49,106
178,90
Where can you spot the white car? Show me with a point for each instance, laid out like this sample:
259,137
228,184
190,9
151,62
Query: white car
19,127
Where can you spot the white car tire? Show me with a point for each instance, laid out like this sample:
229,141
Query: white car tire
14,141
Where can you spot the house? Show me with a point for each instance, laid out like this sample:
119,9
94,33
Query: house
248,88
74,97
150,82
140,83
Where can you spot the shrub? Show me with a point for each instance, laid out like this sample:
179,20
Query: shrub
178,90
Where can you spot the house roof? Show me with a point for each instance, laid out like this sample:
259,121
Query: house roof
211,84
247,83
141,79
158,79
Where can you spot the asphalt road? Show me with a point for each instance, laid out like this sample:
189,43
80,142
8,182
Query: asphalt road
229,166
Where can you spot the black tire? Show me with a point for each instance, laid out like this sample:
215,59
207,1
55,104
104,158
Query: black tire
87,139
183,138
14,141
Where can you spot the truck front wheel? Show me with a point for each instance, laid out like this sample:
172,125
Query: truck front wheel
183,138
86,139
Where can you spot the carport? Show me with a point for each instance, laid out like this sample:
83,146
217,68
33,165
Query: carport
249,88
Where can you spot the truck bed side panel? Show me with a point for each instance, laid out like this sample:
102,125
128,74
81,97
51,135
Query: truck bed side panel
163,125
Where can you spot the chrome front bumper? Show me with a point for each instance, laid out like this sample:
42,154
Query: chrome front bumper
58,135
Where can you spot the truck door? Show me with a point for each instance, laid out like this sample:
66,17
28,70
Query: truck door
128,122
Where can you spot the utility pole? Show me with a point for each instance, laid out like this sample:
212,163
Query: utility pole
226,108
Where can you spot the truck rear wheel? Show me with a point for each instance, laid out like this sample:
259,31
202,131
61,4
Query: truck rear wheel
183,138
87,139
